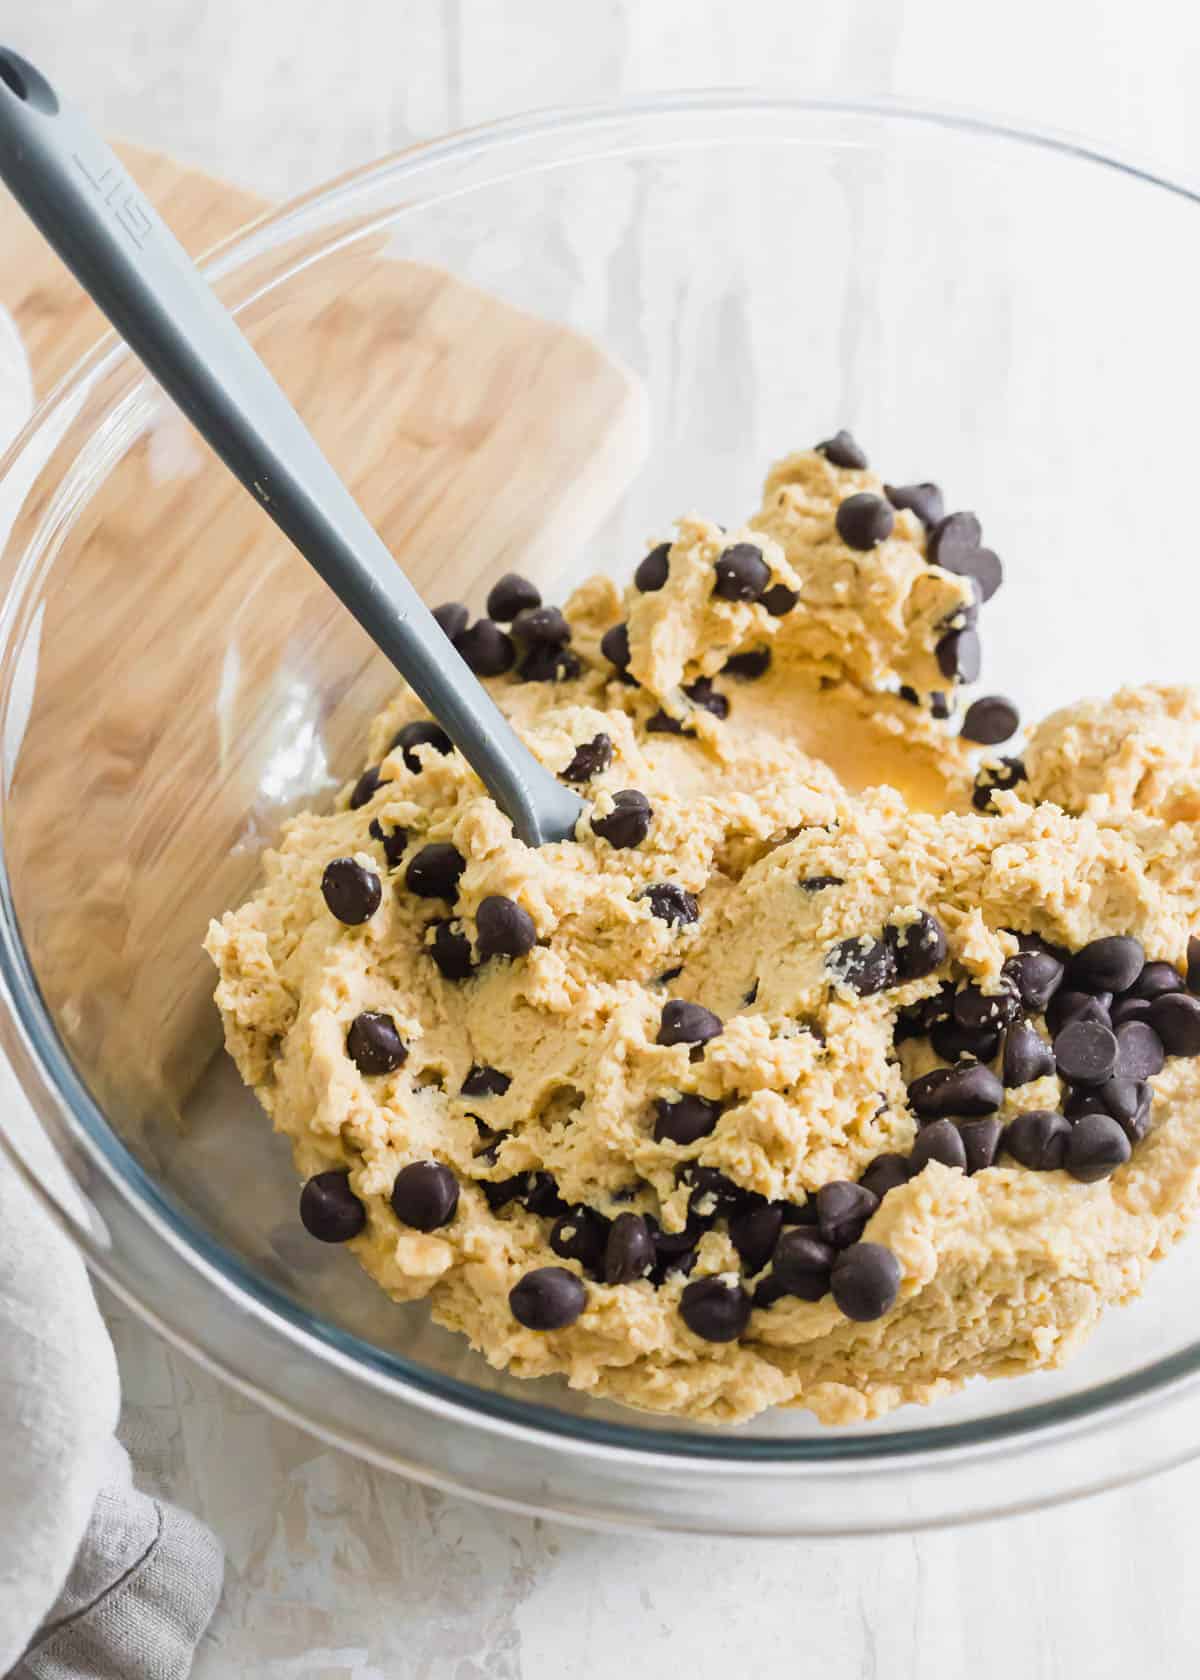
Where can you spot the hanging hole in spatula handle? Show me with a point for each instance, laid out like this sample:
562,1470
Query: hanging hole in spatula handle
28,83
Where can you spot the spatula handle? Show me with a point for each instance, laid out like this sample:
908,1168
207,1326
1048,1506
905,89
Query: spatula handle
84,202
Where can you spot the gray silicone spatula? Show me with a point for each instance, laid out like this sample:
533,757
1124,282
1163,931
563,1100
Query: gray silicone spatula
85,204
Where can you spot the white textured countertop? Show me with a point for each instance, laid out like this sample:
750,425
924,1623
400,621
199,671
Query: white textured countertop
339,1573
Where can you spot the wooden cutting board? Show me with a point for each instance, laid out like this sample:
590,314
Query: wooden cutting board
187,661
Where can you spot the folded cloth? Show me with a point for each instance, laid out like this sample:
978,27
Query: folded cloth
141,1591
97,1580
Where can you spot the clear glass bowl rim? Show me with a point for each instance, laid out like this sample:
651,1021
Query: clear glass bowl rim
83,1121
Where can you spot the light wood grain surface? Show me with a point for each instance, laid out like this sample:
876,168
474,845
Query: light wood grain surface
336,1573
479,438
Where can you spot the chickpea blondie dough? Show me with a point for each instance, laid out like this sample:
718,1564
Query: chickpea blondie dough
819,863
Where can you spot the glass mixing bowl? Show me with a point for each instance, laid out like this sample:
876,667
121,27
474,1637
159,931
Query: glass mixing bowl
1009,314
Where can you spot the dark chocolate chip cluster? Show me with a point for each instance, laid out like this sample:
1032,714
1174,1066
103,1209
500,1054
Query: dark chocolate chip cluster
1102,1020
953,541
536,644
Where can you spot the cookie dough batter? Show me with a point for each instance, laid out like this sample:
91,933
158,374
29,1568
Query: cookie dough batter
835,1060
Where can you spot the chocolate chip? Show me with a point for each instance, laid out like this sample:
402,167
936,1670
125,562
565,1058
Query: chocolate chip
986,570
581,1234
917,1018
484,1081
818,883
669,1245
541,1196
452,618
981,1140
510,595
1096,1147
1078,1100
425,1195
590,758
713,1190
1175,1017
779,600
1027,1056
652,571
1155,979
1036,975
919,946
964,615
702,693
751,665
1067,1005
486,649
365,788
629,1253
864,521
800,1266
686,1120
1086,1052
540,627
421,733
503,928
1035,942
1127,1101
1037,1139
955,546
671,904
954,540
990,720
843,1209
500,1192
673,1265
754,1235
451,951
886,1172
715,1309
614,645
393,844
662,723
925,500
960,656
351,892
975,1008
952,1041
1000,777
970,1089
687,1023
1112,964
668,974
548,1298
742,573
628,823
841,451
549,664
435,871
374,1045
939,1141
1193,963
1140,1053
864,964
865,1281
1129,1009
329,1209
